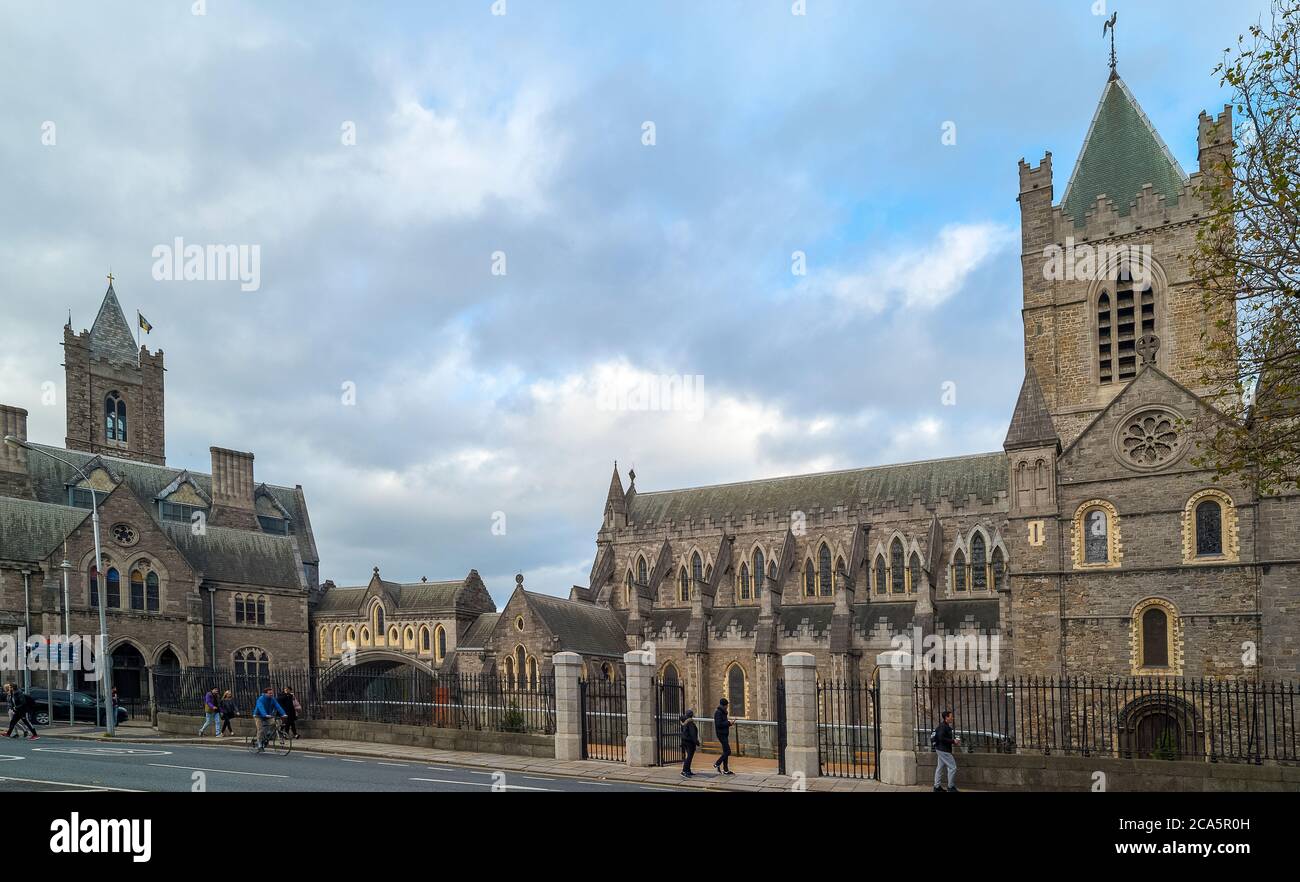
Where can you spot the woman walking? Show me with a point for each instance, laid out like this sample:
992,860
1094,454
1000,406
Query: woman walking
228,712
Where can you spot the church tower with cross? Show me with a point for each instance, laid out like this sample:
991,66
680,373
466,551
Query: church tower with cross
1107,271
114,389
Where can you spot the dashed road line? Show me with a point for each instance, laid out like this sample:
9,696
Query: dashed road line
71,784
485,784
220,771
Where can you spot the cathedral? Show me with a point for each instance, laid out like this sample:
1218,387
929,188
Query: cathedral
198,569
1092,543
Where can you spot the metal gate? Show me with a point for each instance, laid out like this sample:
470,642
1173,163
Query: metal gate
848,730
604,720
780,727
670,701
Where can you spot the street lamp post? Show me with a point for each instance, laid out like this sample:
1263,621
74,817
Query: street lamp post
105,669
66,566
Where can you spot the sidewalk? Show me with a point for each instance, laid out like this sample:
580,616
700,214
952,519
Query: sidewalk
755,776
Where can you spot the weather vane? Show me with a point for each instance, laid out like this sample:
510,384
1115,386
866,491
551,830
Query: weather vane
1110,26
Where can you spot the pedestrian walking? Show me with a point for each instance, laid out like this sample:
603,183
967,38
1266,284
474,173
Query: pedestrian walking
21,706
690,741
211,714
289,704
942,740
722,729
229,710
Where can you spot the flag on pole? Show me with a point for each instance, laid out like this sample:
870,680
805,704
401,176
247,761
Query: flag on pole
144,323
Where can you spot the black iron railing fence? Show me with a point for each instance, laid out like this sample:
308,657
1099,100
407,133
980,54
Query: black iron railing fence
403,697
1125,717
848,729
603,705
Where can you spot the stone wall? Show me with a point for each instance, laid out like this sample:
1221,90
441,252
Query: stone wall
990,771
509,743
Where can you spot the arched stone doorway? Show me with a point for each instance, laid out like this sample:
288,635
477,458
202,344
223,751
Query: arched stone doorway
129,678
1161,726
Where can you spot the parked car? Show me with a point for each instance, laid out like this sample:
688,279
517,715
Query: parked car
83,707
973,741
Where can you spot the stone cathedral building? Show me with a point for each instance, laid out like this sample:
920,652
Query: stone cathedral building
1091,543
199,569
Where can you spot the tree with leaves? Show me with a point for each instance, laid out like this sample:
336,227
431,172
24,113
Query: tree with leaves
1248,255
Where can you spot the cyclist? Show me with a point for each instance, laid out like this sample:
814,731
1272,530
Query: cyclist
265,711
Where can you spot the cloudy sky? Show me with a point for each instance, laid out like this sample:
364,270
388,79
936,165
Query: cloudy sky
523,136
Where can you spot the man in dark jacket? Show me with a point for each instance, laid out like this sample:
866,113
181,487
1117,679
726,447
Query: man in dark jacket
19,711
942,741
722,729
690,741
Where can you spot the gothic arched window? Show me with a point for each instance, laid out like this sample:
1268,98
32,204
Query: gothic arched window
809,579
897,573
1121,322
999,569
137,590
440,642
114,417
1155,638
825,573
736,690
425,644
979,574
521,659
683,586
642,576
758,573
114,586
744,581
627,588
152,599
252,662
959,571
882,580
1096,536
1209,528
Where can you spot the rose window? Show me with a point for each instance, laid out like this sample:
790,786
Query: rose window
1150,439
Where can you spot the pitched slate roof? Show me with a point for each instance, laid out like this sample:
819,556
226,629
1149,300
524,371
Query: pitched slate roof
50,480
239,556
983,475
341,600
1121,153
31,530
478,632
583,628
1031,423
110,336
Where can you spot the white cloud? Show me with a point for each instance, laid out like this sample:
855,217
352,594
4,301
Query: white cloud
921,276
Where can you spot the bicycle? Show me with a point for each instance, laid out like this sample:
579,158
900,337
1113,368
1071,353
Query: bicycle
273,737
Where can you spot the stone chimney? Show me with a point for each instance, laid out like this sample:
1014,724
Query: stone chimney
232,490
14,477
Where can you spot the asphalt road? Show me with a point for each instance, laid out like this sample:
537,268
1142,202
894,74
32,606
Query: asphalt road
67,765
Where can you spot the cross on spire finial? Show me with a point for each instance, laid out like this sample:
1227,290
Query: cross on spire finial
110,277
1109,25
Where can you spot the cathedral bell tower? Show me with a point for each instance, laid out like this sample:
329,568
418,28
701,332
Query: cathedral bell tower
114,390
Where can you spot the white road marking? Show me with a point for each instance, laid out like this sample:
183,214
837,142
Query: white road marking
72,784
220,771
484,784
363,762
104,751
395,765
9,759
